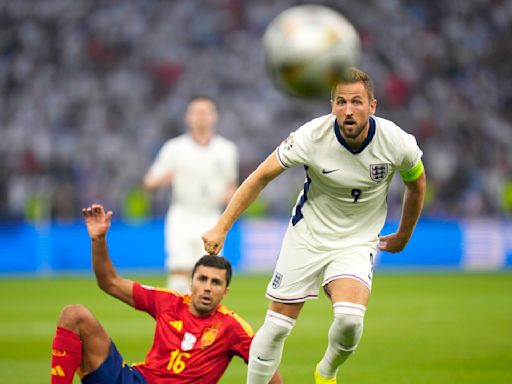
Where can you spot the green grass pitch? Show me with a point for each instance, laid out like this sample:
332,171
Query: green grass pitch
420,328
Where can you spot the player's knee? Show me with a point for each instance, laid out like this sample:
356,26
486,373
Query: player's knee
73,315
277,326
350,330
347,327
267,346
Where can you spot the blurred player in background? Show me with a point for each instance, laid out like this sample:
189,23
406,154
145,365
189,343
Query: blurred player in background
202,168
350,157
195,336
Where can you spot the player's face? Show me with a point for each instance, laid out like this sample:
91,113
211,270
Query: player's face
352,109
201,115
208,289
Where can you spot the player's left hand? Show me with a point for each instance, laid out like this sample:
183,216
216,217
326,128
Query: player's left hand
392,243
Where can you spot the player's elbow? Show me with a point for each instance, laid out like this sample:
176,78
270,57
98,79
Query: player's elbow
264,180
261,178
148,184
104,286
107,285
119,288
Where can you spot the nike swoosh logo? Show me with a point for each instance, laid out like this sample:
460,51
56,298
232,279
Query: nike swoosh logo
260,359
329,171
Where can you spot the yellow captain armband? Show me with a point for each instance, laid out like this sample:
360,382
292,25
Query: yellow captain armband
413,173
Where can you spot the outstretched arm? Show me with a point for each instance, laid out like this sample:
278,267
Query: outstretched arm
98,223
268,170
411,209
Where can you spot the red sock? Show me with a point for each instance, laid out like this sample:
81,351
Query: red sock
66,356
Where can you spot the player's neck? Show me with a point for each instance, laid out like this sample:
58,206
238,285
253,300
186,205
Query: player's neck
194,311
201,137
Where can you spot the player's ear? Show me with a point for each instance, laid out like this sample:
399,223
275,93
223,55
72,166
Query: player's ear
215,118
373,106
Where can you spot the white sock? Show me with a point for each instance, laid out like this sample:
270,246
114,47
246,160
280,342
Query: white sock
344,335
179,283
267,347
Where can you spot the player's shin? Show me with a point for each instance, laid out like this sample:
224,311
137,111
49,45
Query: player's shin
344,335
66,356
267,347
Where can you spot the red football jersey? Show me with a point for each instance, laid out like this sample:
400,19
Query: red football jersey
188,348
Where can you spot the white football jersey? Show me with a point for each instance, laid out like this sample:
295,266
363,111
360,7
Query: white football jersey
343,202
200,173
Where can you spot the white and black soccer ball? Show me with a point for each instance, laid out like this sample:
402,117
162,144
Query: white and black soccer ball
308,48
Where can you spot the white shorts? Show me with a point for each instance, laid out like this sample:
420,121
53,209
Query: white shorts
301,270
183,231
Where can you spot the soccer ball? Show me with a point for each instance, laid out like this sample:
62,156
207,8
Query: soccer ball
308,48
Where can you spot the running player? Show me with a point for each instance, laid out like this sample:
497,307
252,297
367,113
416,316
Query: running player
350,157
202,169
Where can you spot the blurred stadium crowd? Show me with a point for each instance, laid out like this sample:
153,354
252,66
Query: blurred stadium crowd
91,89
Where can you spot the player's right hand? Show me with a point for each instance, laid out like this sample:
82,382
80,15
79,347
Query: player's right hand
96,220
213,241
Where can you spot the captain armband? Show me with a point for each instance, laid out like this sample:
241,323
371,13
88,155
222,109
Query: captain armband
413,173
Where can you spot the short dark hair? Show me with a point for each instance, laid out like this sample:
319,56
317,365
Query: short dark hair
202,97
214,261
355,75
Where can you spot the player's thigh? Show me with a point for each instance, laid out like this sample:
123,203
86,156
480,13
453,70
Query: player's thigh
298,272
183,233
181,240
347,289
348,277
95,344
288,309
183,255
113,370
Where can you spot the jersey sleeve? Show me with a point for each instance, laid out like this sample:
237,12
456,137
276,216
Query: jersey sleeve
164,161
294,149
411,166
152,300
243,335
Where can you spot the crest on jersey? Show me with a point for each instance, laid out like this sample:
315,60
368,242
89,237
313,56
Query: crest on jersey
208,337
378,172
276,280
